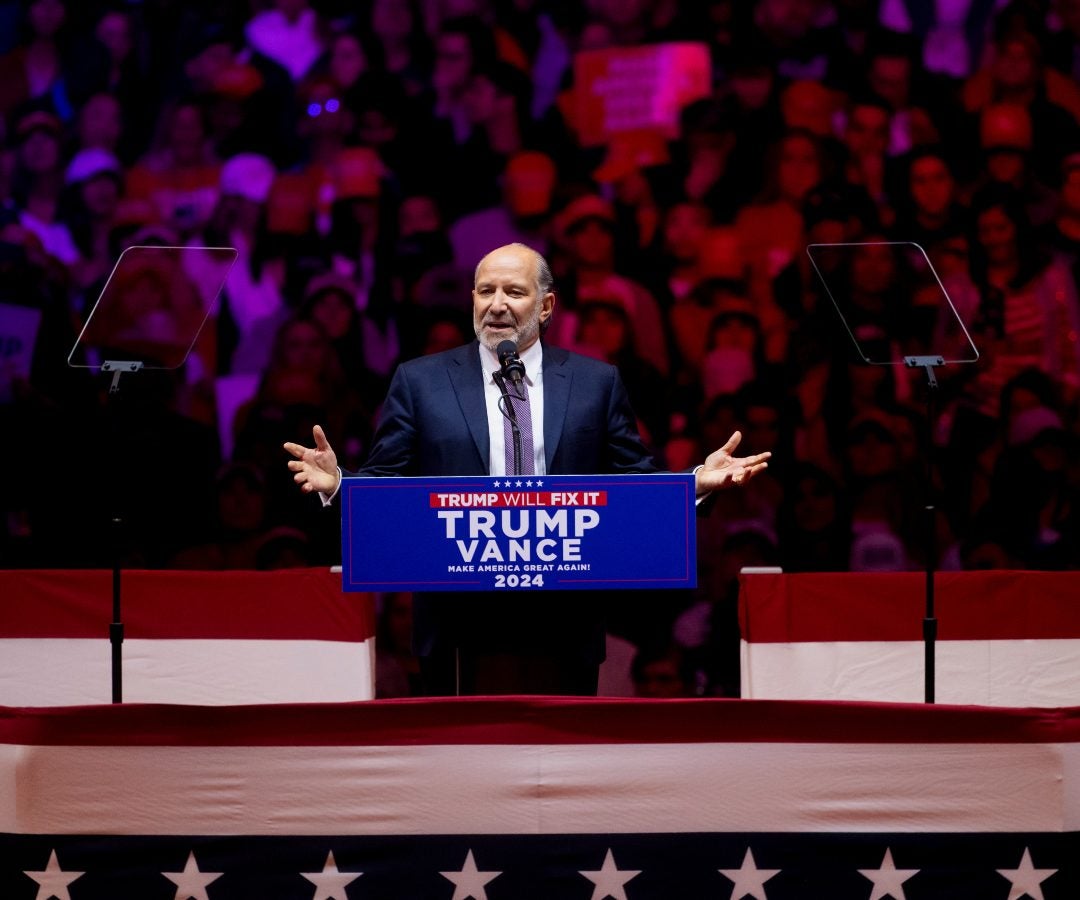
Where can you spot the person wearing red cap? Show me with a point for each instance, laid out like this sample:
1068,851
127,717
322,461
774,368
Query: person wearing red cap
356,229
1009,157
1017,78
441,417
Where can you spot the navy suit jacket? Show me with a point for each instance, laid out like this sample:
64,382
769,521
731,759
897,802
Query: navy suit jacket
434,422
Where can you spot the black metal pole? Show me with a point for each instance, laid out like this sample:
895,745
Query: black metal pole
116,627
930,622
928,364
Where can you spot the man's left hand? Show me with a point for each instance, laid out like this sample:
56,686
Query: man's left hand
722,470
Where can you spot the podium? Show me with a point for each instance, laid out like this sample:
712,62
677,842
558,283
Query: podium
520,533
460,541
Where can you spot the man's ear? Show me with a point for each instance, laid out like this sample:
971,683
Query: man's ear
547,306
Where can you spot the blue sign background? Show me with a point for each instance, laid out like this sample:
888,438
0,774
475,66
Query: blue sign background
643,537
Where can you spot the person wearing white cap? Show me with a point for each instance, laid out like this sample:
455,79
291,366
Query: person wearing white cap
93,184
90,163
247,175
253,296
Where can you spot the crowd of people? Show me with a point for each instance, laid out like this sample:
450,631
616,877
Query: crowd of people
362,157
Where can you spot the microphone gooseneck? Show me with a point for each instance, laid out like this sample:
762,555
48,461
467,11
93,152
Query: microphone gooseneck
512,366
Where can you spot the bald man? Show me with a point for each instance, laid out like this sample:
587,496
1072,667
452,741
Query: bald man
443,415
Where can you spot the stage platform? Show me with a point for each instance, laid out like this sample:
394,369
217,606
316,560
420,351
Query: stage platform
233,789
540,798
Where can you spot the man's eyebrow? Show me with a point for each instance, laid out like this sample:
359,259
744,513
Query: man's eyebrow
515,283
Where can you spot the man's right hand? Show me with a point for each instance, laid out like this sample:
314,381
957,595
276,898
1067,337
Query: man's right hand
314,469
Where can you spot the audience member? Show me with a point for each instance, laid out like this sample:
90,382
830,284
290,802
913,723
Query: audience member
38,181
661,672
177,179
89,206
36,69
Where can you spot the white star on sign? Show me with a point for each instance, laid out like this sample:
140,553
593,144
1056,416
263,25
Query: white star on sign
609,881
888,880
1026,879
53,882
748,878
470,881
330,884
191,882
539,484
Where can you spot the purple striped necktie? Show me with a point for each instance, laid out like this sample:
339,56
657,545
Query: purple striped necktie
519,397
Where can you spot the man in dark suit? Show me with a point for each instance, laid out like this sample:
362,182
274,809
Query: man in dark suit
444,415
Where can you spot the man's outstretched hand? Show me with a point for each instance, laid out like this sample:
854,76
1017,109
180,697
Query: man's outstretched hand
722,470
315,469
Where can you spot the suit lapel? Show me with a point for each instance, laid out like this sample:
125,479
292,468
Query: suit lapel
467,377
557,380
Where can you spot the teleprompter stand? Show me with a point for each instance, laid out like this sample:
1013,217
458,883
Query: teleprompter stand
928,364
148,317
897,312
116,626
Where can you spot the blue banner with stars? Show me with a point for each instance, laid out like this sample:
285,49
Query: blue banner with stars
559,532
569,867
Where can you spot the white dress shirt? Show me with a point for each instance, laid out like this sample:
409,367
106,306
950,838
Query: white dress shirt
533,360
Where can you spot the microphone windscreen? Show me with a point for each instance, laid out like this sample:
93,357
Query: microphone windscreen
506,350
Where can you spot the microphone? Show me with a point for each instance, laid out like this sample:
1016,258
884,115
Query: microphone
512,367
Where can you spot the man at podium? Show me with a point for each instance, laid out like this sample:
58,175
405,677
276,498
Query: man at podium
508,403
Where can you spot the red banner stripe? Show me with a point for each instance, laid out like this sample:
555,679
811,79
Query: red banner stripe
545,721
287,604
969,606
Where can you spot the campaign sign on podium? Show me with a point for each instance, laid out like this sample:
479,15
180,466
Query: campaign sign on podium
551,532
